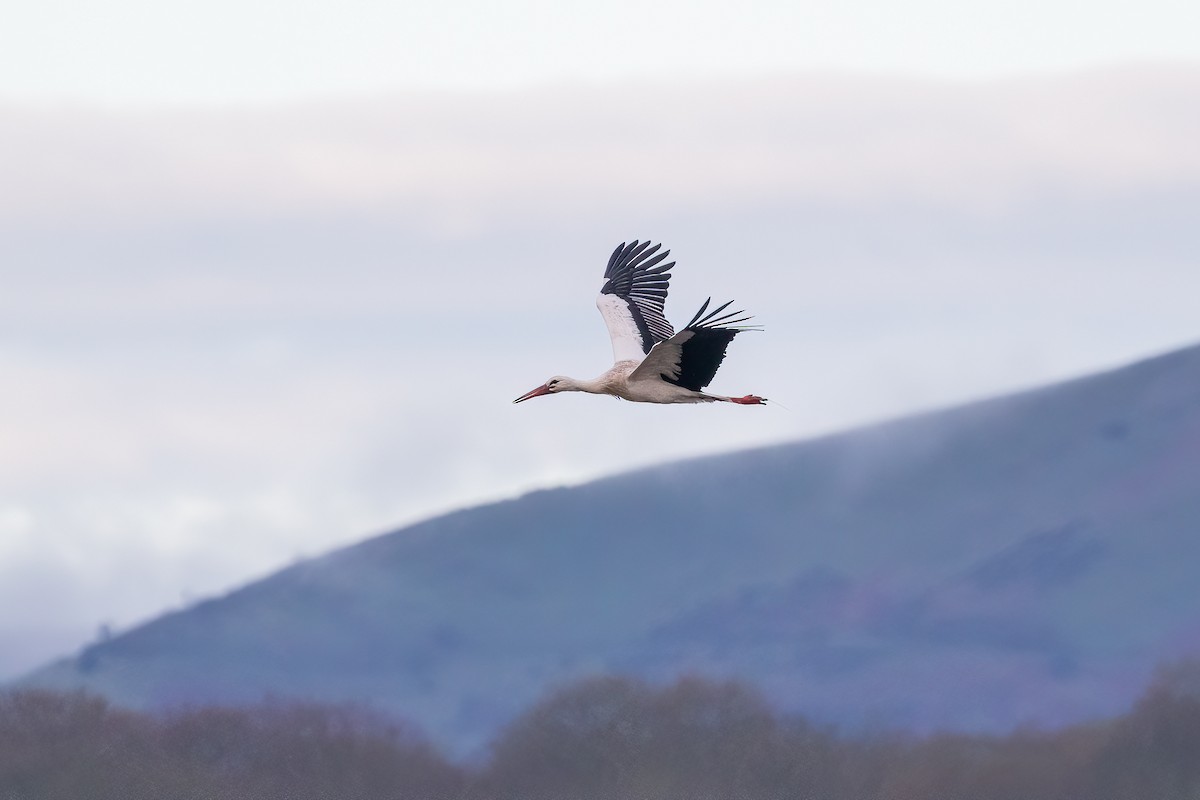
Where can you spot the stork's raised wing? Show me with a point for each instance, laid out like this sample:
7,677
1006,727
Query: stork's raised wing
691,357
631,300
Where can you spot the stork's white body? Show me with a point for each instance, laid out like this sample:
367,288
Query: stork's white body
620,382
653,363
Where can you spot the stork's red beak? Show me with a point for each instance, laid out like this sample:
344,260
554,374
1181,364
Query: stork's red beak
538,392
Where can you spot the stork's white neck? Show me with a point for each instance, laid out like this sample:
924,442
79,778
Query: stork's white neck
576,385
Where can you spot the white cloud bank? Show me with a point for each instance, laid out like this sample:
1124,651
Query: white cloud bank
464,163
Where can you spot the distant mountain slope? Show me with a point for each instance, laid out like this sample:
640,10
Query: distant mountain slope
1029,558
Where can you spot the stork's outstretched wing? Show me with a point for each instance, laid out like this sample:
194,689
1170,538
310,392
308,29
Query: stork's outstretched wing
691,357
631,300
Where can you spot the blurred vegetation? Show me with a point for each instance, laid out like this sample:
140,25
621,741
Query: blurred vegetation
607,737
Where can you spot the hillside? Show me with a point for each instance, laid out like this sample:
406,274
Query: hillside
1030,558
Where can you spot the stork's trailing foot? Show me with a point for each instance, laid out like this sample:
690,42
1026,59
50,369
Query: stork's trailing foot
749,400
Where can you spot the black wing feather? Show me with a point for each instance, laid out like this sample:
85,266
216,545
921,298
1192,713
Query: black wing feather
701,355
634,275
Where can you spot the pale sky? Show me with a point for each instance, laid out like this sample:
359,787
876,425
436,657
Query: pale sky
218,51
235,331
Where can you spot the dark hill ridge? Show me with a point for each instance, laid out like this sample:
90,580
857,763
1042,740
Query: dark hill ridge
1030,558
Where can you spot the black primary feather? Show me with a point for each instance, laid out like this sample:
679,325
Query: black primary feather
634,275
701,355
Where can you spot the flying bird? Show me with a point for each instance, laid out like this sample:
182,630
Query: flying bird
653,363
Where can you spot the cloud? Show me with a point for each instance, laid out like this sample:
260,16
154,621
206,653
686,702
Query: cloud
464,163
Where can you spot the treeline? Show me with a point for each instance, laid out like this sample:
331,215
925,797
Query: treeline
599,739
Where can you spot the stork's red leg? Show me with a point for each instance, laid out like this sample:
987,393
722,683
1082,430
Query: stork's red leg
749,400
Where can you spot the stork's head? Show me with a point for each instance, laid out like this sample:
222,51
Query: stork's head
556,384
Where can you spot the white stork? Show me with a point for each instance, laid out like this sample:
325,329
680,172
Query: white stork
654,364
